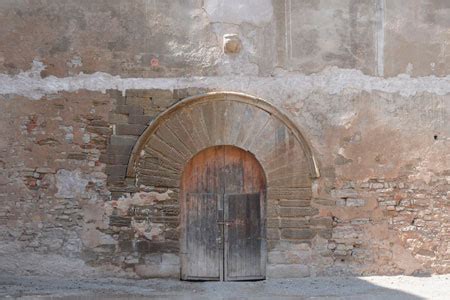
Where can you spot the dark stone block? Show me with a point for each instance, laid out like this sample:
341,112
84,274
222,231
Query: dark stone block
99,123
129,110
117,170
120,221
126,246
130,129
114,159
146,246
88,255
298,211
117,95
115,180
120,140
172,234
116,195
293,223
297,234
139,119
295,203
77,156
101,130
120,150
289,193
325,233
324,202
323,222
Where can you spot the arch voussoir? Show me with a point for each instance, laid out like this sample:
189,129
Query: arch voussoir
223,118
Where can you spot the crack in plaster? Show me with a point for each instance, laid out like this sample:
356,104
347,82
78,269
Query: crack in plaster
332,80
381,7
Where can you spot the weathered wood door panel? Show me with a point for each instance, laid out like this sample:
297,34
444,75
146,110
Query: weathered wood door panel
243,233
222,203
203,235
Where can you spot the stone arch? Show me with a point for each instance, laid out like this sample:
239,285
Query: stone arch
222,118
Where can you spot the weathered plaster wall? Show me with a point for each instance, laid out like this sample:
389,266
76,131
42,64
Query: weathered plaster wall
382,143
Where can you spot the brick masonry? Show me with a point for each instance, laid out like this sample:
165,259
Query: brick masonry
333,229
74,200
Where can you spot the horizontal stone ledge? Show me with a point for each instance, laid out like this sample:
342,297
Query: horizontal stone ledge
140,119
294,203
116,180
272,222
296,193
114,159
297,211
117,170
124,189
272,210
129,109
157,219
344,193
289,182
146,246
355,202
130,129
157,181
297,233
120,149
149,93
119,221
286,171
101,130
272,234
117,195
324,202
322,222
324,233
77,155
123,140
293,223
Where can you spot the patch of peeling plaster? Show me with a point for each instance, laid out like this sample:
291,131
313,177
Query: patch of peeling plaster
255,12
331,80
142,198
70,184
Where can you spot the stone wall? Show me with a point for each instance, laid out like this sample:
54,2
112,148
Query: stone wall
366,83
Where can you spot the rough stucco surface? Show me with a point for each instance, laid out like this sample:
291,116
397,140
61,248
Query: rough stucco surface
80,81
424,48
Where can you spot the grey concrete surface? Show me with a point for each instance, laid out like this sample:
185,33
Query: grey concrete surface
376,287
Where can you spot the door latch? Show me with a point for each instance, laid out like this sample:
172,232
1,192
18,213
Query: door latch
226,223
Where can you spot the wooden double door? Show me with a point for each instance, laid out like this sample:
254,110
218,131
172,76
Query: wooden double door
223,236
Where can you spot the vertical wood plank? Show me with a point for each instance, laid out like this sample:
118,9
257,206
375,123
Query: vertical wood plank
243,234
202,250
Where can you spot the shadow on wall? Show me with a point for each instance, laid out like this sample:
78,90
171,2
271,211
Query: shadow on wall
304,288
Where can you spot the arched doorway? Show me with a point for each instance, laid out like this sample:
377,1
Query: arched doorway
223,190
190,126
